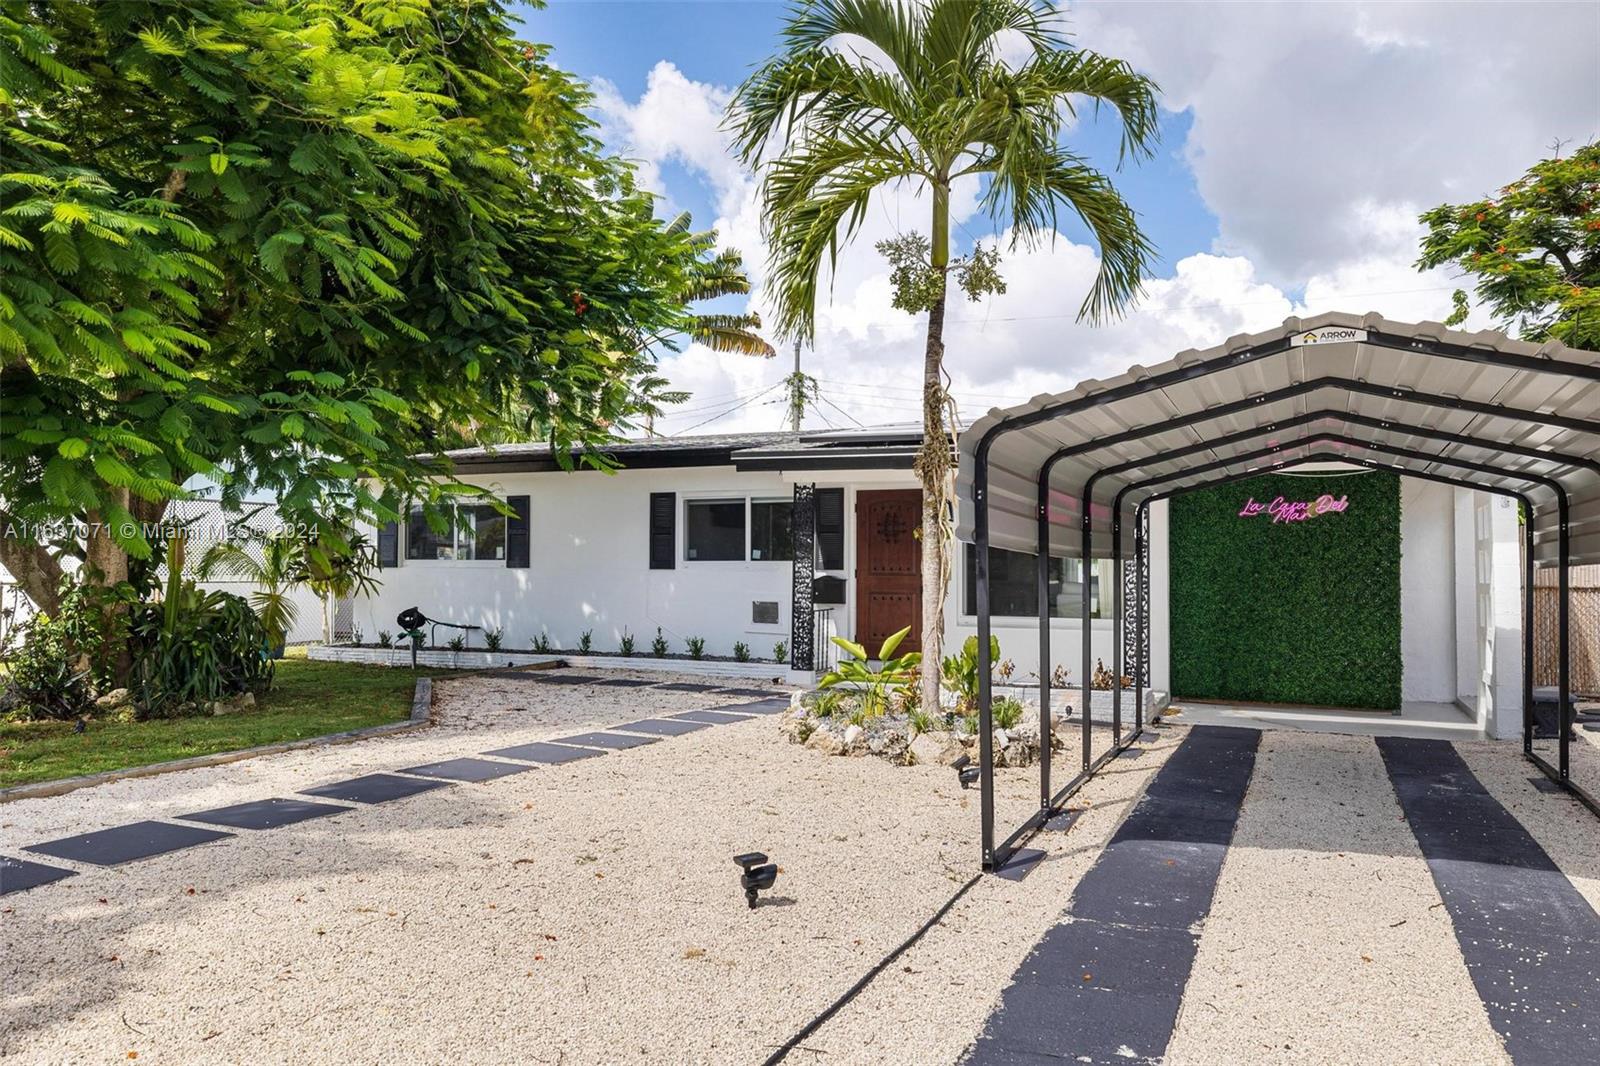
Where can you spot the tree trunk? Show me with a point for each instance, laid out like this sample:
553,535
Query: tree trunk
106,564
933,464
37,572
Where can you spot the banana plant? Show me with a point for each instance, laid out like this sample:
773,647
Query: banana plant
875,684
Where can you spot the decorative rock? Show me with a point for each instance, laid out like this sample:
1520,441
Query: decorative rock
826,741
117,697
852,736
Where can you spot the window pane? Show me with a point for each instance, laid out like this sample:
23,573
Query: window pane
423,543
714,530
1013,585
480,533
771,536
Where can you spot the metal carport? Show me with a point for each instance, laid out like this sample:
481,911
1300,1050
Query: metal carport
1068,474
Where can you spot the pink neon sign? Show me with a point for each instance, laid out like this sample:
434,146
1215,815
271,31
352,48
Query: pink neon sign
1282,510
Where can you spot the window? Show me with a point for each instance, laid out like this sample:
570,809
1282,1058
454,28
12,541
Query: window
771,535
475,531
714,530
1013,585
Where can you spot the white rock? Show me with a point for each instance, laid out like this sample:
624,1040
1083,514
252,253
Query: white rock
852,735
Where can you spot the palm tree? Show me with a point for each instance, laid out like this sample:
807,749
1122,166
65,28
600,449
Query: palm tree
714,274
828,127
279,570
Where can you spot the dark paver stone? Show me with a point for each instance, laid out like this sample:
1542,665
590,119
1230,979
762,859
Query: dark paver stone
373,788
467,769
1135,942
625,682
543,752
615,741
1020,864
772,705
19,875
125,843
686,686
710,717
663,727
1529,938
759,693
266,814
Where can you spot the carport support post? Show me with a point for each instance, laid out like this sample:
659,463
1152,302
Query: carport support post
1563,640
1116,628
1527,632
1139,609
1044,639
980,539
1088,646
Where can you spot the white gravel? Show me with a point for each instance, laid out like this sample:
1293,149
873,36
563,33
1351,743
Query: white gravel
1327,941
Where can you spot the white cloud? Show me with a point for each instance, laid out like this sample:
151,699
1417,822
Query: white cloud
1319,133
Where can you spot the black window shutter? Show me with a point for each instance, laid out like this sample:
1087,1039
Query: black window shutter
830,528
389,545
517,532
663,530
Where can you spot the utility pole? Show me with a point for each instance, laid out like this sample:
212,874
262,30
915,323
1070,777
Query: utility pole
796,409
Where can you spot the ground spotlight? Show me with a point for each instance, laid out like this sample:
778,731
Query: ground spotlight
966,773
758,875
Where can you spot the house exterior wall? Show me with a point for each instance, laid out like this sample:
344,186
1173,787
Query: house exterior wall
589,570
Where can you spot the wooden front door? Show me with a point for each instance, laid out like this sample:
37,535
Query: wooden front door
888,567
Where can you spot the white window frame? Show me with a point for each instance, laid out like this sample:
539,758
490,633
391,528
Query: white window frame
749,500
406,559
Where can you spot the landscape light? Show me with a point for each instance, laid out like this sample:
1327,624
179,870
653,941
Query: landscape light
758,875
966,773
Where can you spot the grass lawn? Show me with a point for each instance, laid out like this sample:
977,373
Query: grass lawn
307,699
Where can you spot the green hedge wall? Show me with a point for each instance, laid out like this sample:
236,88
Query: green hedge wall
1288,612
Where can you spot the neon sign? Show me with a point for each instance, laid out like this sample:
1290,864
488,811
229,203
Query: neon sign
1282,510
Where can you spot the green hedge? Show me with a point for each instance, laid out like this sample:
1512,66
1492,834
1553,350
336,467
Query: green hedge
1288,612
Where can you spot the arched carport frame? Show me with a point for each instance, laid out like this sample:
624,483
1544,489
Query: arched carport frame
1409,461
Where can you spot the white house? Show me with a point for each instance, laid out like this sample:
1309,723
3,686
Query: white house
696,537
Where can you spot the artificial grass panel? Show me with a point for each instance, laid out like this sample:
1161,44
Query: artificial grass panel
1288,612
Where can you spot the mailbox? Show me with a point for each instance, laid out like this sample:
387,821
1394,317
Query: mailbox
827,590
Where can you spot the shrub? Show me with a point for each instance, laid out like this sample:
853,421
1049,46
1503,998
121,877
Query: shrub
586,641
626,645
741,651
960,672
44,676
355,635
696,646
1007,712
541,642
456,643
658,647
875,685
195,647
780,652
385,639
493,638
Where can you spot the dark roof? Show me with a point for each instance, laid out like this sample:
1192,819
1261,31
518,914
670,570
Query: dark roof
875,447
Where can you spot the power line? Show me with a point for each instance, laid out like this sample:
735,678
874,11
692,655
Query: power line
738,406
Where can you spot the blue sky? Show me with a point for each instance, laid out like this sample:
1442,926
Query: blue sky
1299,143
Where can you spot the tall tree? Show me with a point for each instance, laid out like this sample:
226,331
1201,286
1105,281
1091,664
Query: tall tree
1532,252
295,246
936,101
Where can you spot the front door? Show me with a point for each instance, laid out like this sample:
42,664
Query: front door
888,567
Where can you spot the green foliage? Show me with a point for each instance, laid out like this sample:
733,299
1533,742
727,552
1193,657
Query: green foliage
493,638
741,651
780,652
44,673
541,643
875,683
1006,712
1293,612
195,647
586,641
918,284
299,248
658,646
457,643
625,646
696,646
1533,251
949,103
386,639
960,672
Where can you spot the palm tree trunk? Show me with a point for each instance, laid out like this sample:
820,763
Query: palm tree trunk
933,465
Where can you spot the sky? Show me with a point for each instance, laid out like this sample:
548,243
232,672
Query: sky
1300,141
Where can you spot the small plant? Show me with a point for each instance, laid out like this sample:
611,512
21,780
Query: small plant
780,652
875,685
1004,671
626,644
741,651
456,643
1104,680
1006,712
586,641
541,642
1061,677
960,672
355,635
493,638
385,639
921,721
658,647
696,646
824,704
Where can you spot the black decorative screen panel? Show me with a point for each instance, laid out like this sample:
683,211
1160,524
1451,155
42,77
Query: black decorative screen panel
802,643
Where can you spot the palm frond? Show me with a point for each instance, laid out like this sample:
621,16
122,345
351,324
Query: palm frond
734,334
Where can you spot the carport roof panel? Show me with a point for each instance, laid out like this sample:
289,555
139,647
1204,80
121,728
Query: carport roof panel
1417,376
